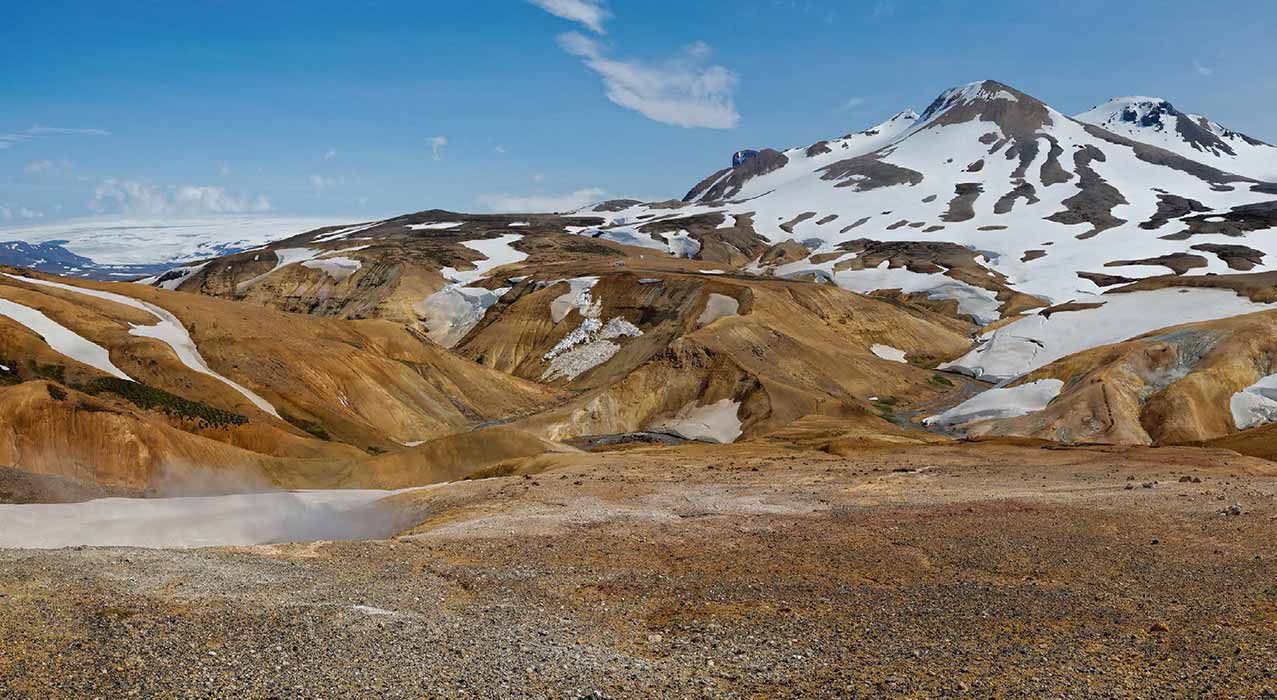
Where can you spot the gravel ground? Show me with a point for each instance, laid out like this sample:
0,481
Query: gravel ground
982,571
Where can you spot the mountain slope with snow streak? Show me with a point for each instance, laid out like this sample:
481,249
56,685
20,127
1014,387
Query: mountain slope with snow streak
1156,122
167,329
1042,196
1037,235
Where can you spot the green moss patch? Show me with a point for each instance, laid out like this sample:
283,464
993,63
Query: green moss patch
151,399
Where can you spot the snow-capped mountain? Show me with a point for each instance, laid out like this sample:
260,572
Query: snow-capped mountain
749,165
1042,206
1042,196
1156,122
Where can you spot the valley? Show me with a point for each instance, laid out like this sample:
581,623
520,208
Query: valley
978,401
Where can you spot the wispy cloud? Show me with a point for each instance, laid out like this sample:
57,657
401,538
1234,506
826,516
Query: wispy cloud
319,183
590,13
882,8
11,212
506,202
499,150
681,91
143,199
35,132
57,130
1201,70
436,146
851,103
330,154
46,168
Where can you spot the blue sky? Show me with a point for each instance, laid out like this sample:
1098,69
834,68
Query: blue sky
362,109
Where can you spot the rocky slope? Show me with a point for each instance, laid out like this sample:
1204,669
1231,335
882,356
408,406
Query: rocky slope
125,385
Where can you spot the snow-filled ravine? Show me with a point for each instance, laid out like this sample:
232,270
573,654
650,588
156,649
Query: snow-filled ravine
451,312
202,521
168,330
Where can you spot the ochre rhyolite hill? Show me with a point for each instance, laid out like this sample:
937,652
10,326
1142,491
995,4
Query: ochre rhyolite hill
989,267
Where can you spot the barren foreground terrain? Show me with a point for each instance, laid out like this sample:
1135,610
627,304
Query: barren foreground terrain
768,569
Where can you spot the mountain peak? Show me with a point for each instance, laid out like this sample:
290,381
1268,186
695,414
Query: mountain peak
898,123
1147,112
991,101
1156,121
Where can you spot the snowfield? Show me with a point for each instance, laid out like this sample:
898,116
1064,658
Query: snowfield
150,241
1001,402
1033,340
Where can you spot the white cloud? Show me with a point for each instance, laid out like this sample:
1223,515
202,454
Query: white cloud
590,13
681,91
499,150
55,130
436,146
10,140
506,202
319,183
852,103
332,153
1202,70
10,212
698,49
38,166
142,199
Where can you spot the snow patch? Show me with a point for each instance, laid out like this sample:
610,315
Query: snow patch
1256,404
1001,402
342,233
718,306
62,339
887,352
586,347
977,302
715,422
338,268
577,297
436,226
